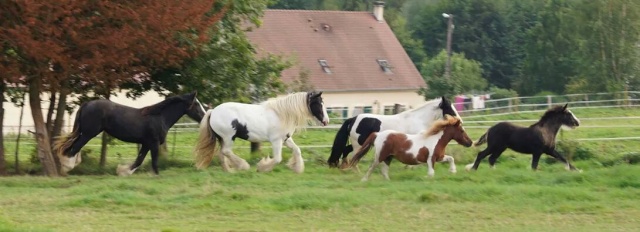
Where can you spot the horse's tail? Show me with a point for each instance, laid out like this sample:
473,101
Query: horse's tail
63,142
340,142
366,146
481,140
206,144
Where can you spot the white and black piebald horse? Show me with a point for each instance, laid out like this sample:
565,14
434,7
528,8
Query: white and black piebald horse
357,129
272,121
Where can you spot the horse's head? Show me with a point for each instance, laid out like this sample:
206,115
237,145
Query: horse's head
453,130
564,116
195,110
316,107
447,108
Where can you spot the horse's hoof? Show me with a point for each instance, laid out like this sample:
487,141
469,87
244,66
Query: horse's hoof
122,170
468,167
453,171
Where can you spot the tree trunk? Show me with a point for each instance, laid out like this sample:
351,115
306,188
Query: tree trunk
3,165
59,121
105,141
52,105
60,110
42,137
17,161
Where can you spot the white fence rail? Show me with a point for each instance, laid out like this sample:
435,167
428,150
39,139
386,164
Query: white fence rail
494,107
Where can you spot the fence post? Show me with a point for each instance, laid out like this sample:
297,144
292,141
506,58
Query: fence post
549,101
173,148
396,108
586,99
510,105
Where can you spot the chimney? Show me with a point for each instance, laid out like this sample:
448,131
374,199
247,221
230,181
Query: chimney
378,10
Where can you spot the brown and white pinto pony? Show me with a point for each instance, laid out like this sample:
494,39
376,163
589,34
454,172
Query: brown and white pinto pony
425,147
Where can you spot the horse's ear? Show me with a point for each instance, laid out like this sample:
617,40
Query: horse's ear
565,107
458,122
316,95
444,101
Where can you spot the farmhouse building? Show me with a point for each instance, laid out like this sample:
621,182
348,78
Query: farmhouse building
353,57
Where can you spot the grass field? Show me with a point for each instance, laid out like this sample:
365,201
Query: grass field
604,197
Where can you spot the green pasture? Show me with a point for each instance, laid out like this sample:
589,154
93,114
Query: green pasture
604,197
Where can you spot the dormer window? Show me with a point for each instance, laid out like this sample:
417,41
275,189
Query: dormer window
325,66
384,65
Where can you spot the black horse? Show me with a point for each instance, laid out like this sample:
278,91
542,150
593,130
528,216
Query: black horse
146,126
536,139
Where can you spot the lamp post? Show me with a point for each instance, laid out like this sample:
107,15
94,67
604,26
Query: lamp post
447,68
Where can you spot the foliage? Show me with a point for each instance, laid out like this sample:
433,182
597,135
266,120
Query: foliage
227,68
465,76
102,43
498,93
562,46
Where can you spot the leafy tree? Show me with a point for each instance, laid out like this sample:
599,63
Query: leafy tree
466,76
227,67
607,59
102,44
551,50
479,33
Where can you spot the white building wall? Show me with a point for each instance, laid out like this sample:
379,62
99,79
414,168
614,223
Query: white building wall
375,99
12,113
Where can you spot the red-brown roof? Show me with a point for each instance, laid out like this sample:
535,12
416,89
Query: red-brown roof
350,42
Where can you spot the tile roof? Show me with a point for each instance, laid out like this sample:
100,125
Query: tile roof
350,42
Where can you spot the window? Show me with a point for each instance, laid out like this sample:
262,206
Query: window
338,112
384,65
325,66
388,110
362,109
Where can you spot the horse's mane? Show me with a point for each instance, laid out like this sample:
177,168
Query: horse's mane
428,103
157,108
292,110
550,113
439,125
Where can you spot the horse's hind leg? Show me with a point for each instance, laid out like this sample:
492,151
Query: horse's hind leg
296,163
238,163
72,156
370,170
385,167
345,162
223,162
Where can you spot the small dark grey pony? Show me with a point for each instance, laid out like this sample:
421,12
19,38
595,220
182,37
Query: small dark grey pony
147,126
536,139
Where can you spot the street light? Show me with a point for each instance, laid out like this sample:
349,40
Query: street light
447,68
